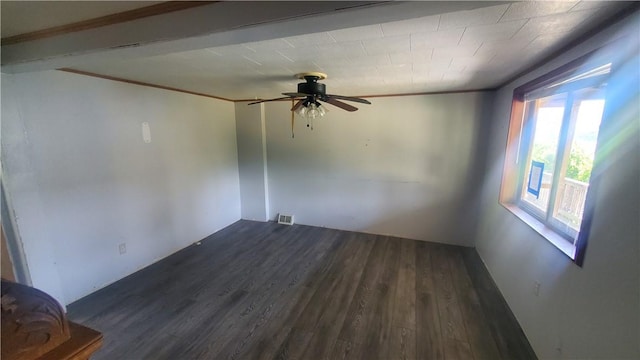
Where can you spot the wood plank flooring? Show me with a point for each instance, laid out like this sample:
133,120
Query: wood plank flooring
267,291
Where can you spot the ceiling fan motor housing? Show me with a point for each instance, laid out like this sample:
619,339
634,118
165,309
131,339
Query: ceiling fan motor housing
312,86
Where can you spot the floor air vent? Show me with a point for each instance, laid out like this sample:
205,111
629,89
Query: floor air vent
285,219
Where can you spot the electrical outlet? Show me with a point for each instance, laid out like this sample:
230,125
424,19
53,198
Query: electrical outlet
123,248
536,288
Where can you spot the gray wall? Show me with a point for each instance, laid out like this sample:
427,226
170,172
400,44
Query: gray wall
252,161
81,180
402,166
594,311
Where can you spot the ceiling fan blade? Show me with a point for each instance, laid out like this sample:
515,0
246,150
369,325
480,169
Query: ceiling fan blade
261,101
297,105
340,104
348,98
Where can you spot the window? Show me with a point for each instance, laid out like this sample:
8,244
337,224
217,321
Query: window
551,148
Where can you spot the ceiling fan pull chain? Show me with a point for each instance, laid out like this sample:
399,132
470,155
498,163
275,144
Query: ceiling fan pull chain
293,135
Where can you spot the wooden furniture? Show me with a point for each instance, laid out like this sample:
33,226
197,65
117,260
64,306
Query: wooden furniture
34,326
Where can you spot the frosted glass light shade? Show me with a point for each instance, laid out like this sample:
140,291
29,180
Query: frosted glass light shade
312,111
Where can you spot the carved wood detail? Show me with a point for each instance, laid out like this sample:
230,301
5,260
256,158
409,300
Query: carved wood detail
33,323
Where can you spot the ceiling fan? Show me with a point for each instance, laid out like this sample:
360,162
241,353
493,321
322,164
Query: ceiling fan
309,95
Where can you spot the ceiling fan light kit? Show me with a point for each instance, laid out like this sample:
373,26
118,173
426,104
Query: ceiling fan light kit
312,110
309,95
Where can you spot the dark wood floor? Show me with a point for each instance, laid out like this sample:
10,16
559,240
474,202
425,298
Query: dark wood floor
267,291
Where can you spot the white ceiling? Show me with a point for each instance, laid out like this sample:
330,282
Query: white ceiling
451,51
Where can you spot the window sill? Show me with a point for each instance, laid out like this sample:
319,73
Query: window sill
546,232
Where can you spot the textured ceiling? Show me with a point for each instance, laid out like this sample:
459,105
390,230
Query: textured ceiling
462,50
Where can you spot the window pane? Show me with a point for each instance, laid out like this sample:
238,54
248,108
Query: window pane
548,120
572,189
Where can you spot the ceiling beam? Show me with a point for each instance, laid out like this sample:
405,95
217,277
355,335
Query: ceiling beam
130,15
211,25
